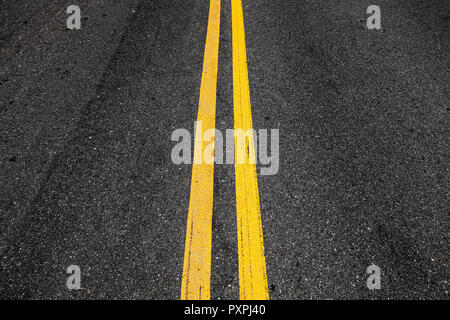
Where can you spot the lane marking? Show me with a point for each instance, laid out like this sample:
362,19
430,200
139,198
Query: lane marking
195,284
252,264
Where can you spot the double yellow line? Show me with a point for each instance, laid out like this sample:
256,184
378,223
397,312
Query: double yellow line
197,256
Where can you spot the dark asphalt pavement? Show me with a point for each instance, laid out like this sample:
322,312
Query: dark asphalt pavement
86,176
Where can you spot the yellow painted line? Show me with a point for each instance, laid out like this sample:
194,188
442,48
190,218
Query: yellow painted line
197,255
252,264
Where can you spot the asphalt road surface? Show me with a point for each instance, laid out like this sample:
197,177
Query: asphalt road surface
87,179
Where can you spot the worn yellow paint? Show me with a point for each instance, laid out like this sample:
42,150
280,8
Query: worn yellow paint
197,256
252,264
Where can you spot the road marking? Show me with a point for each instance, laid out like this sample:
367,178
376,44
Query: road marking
195,284
252,264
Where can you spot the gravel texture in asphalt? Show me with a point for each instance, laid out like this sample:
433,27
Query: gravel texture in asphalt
86,118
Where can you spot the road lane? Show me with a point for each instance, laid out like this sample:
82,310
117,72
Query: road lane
363,119
113,201
252,263
197,257
364,127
